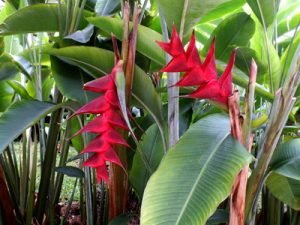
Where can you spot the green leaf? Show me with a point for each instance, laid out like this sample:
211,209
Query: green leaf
289,54
70,80
244,56
289,23
195,10
285,189
145,37
6,95
70,171
121,219
19,89
152,147
259,46
222,10
265,10
7,10
87,58
19,116
77,141
286,159
195,176
37,18
107,7
220,216
8,69
234,31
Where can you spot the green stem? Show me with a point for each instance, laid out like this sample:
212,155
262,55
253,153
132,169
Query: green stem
49,157
143,10
267,46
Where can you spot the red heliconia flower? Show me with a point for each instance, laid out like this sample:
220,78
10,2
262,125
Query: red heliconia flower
217,90
107,120
204,75
176,50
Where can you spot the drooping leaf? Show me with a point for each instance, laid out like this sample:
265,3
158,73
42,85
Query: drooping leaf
19,116
145,37
152,147
286,159
6,95
107,7
265,10
70,171
195,10
243,58
37,18
19,89
8,68
222,10
82,36
195,176
70,81
234,31
285,189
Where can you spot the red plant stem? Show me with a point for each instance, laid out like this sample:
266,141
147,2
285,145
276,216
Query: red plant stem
237,196
241,130
129,71
118,180
115,46
5,202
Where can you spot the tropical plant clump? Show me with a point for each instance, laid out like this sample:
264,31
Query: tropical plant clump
149,112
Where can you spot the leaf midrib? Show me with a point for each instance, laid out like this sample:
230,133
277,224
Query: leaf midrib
199,176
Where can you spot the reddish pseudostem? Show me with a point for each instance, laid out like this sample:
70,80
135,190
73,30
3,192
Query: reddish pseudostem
5,202
241,131
118,181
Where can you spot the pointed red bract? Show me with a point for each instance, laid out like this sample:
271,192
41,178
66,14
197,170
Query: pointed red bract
100,85
204,75
101,173
103,125
96,106
174,47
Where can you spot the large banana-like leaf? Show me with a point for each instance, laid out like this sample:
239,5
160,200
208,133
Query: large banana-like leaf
284,180
152,147
222,10
235,30
195,176
97,62
37,18
70,80
195,9
285,189
19,116
286,159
